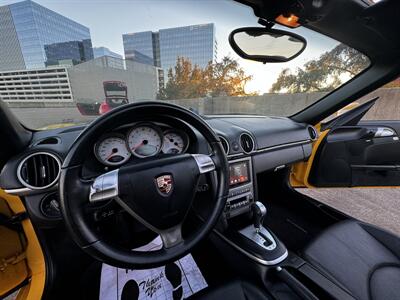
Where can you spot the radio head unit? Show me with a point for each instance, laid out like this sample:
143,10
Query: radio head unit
241,188
239,173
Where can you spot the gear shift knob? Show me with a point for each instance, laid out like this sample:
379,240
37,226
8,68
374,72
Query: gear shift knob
259,213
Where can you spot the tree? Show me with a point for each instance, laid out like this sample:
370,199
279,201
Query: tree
185,81
323,74
226,78
182,82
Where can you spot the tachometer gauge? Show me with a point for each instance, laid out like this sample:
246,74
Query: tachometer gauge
175,142
144,140
111,150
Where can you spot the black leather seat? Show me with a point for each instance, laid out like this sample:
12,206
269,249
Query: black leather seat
360,257
235,290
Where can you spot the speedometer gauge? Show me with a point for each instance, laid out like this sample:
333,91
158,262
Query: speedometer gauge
175,142
111,150
144,140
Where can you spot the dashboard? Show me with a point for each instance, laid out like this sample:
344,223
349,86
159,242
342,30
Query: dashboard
253,144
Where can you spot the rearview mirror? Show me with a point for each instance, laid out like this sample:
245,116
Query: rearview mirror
266,45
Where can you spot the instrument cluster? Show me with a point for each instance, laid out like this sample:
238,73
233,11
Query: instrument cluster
141,141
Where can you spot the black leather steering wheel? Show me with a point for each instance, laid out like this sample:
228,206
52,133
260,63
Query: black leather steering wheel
157,192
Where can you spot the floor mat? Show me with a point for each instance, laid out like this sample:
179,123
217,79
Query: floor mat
174,281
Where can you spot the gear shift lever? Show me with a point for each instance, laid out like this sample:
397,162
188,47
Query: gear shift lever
259,212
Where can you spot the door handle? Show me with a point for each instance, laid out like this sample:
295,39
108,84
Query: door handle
384,132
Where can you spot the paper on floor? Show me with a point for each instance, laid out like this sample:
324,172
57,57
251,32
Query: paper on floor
175,281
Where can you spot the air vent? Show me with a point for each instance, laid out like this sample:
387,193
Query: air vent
39,170
313,133
225,144
247,143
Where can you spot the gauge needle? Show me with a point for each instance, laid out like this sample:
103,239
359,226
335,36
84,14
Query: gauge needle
137,146
111,155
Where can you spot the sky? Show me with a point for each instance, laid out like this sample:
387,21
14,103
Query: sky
109,19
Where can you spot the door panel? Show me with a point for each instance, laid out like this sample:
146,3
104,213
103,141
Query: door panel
13,266
351,153
32,288
364,155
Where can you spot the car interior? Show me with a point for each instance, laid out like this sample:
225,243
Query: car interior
222,190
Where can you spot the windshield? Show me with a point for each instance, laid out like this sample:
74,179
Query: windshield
60,65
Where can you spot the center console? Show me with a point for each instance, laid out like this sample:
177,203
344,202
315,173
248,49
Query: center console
241,187
254,251
244,217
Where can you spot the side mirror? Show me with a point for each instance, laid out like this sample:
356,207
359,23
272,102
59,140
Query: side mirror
266,45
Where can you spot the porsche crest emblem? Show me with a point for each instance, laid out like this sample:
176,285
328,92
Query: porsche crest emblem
164,184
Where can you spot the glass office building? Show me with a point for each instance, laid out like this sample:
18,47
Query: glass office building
35,37
196,43
141,58
140,47
75,51
103,51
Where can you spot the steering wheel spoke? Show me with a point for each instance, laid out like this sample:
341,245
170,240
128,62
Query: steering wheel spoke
104,187
171,236
204,162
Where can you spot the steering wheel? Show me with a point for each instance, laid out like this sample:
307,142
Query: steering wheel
157,192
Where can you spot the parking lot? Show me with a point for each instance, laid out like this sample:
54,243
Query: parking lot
379,206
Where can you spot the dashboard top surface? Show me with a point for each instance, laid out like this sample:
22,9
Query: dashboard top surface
266,132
